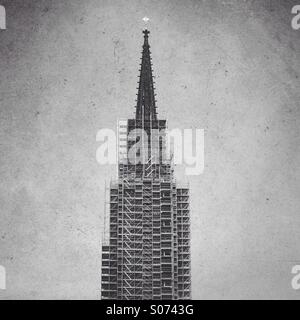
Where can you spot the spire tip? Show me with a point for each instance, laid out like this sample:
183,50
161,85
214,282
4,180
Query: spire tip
146,32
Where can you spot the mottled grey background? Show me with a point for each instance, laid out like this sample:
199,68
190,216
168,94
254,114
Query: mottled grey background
69,68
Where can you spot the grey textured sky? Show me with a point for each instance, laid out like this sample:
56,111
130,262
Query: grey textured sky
69,68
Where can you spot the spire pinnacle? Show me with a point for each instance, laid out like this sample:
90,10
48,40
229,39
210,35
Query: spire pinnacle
145,108
146,32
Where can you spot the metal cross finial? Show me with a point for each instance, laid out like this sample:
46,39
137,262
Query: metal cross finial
146,32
